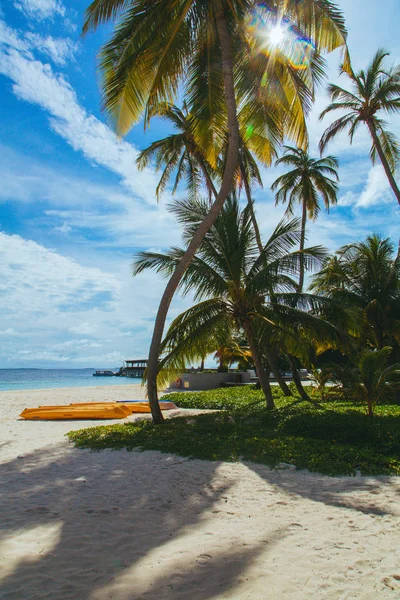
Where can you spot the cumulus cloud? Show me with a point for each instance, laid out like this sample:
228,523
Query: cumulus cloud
377,189
40,10
35,281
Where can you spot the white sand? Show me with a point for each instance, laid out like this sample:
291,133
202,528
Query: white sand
84,525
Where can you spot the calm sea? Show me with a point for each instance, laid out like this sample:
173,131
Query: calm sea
39,379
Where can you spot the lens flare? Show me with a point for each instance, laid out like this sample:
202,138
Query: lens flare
279,37
276,35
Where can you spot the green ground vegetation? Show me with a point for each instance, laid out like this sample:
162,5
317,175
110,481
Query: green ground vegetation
334,437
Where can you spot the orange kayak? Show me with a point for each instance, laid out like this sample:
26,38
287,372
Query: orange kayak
90,410
134,407
50,413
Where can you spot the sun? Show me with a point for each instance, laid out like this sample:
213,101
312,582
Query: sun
276,35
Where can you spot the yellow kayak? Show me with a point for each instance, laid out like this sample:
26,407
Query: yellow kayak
50,413
90,410
134,407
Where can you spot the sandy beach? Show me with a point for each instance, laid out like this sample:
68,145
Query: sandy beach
124,525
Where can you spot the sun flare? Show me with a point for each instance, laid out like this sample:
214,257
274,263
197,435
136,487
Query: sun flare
276,35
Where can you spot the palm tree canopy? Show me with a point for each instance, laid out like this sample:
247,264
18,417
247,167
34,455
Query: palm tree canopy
373,91
177,154
160,47
307,182
233,284
367,274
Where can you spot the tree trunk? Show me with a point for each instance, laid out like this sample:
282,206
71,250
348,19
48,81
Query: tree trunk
226,186
262,376
274,368
251,209
302,242
297,380
384,161
202,365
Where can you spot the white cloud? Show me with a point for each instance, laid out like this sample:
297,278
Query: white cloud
36,82
348,199
84,328
59,50
377,189
40,9
35,281
72,204
64,228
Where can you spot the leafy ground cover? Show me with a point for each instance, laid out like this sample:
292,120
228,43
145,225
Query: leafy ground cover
334,437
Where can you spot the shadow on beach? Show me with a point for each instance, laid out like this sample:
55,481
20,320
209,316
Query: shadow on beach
338,492
110,513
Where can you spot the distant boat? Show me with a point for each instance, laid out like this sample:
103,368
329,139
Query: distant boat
103,374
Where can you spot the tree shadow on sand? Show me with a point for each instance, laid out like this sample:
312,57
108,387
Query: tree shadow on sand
107,513
339,492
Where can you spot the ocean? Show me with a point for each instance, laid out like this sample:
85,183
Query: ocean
40,379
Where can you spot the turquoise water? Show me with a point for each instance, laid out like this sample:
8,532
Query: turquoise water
40,379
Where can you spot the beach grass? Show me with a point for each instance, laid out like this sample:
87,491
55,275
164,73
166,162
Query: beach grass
334,437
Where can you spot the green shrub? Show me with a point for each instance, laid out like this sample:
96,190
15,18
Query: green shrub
335,438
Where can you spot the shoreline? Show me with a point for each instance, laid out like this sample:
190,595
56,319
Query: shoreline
152,526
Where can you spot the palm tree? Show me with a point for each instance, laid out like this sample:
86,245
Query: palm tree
306,184
374,91
204,46
374,379
237,289
367,275
181,157
178,153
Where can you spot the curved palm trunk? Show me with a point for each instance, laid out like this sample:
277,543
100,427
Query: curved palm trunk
385,164
262,376
251,209
302,243
226,186
297,380
277,374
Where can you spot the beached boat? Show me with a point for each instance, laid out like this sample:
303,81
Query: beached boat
55,413
90,410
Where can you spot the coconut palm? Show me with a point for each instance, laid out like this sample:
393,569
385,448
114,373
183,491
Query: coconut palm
306,184
178,153
367,275
204,46
238,289
181,158
375,381
374,91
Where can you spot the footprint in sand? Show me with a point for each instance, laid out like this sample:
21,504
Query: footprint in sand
392,582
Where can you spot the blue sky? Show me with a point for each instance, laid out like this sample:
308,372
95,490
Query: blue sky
74,208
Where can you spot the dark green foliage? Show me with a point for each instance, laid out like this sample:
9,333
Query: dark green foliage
335,438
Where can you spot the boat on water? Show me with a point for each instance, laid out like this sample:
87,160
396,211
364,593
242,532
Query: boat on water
104,374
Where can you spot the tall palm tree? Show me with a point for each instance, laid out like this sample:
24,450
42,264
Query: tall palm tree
374,91
237,289
205,46
306,184
181,157
367,275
